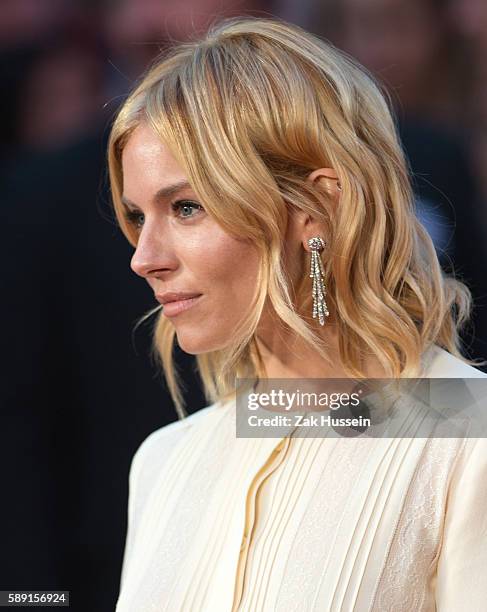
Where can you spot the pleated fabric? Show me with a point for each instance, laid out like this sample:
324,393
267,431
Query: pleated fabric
219,523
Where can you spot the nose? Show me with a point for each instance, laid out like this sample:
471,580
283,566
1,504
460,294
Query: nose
153,254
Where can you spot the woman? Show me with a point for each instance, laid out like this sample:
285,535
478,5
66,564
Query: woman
240,165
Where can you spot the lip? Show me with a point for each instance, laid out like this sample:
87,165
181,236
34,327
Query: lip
174,304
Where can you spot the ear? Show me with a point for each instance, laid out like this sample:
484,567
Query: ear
330,181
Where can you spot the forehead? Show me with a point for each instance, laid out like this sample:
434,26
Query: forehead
147,159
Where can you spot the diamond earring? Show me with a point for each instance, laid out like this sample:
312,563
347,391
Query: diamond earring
320,308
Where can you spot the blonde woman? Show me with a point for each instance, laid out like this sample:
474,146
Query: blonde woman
236,163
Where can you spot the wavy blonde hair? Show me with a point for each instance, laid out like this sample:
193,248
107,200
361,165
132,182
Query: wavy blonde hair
249,111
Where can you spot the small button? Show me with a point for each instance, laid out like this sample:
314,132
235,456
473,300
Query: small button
244,542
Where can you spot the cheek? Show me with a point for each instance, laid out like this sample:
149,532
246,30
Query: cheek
227,269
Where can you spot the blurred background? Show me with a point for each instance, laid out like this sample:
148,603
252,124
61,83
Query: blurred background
78,389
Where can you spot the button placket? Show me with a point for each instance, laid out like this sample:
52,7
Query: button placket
280,446
254,487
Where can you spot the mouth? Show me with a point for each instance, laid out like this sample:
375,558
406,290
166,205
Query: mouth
172,309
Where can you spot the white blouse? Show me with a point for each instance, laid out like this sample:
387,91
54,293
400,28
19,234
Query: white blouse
218,523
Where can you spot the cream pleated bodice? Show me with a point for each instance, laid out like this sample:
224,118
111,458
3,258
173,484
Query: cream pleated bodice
223,524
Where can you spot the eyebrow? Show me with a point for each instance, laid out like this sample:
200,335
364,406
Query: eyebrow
162,194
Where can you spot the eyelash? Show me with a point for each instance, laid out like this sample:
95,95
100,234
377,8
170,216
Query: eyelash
132,216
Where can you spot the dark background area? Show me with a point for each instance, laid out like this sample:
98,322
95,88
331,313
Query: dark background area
78,389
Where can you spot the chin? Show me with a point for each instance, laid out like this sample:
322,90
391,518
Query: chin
194,344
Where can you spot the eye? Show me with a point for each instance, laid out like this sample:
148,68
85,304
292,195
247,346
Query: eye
134,218
186,206
184,209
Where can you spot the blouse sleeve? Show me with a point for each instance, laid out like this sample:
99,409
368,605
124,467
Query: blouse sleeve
135,467
461,580
147,463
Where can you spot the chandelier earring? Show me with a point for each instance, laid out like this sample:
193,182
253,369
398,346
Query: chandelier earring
320,309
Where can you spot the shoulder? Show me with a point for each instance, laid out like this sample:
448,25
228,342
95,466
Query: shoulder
467,490
155,449
175,428
460,583
155,453
460,395
442,364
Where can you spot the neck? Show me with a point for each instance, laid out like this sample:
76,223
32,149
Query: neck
287,356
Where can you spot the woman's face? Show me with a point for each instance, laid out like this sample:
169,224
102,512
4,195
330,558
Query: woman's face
182,249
